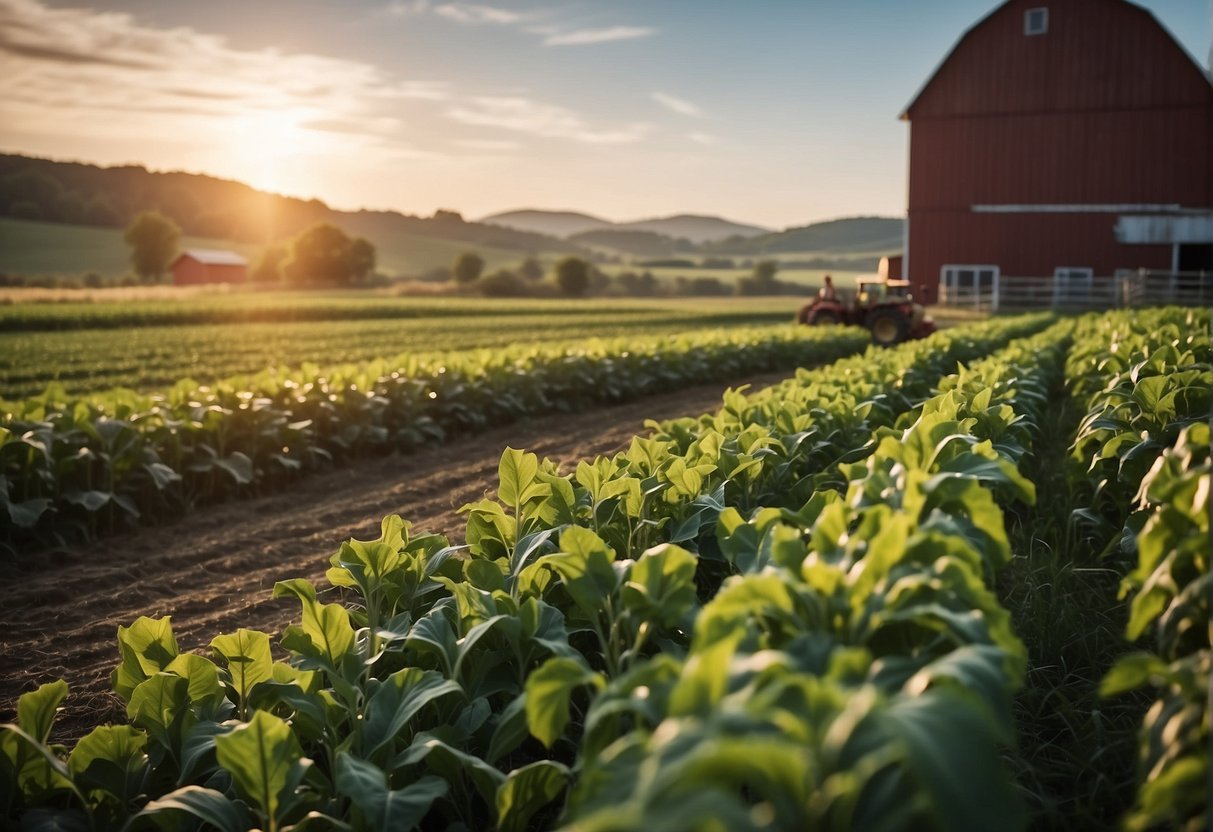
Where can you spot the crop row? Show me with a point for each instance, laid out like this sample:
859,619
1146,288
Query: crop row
72,465
277,307
1146,384
150,357
611,643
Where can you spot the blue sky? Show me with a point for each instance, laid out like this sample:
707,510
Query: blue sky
773,112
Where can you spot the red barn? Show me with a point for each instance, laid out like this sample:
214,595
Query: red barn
1071,140
199,265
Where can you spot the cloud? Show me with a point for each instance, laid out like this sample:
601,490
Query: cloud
702,138
524,115
90,61
488,144
678,105
474,14
580,37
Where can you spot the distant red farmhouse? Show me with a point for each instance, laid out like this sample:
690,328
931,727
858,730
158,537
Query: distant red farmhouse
1069,139
199,265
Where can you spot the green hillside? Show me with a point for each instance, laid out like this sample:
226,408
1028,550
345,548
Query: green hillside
43,248
849,236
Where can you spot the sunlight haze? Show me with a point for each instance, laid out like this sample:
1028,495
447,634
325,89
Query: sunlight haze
778,113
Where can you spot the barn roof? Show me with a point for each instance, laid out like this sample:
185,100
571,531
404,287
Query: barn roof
214,257
905,113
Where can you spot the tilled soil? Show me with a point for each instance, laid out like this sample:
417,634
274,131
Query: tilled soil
214,570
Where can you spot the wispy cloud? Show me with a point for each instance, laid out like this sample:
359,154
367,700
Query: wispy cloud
107,61
581,37
475,14
702,138
525,115
678,105
492,145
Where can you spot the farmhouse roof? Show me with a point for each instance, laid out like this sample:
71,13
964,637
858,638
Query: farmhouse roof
214,257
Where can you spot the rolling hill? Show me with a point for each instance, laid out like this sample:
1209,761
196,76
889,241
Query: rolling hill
851,235
553,223
80,196
697,229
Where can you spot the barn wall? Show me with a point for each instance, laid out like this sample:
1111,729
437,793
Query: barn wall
188,271
1104,109
1024,245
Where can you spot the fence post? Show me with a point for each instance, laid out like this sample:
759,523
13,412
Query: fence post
997,292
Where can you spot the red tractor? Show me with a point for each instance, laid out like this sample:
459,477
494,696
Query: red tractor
884,307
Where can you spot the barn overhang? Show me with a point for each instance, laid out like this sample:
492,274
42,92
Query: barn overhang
1187,228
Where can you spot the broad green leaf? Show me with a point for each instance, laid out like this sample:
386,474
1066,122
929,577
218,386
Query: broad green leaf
157,704
953,752
382,808
238,466
202,675
548,691
704,678
517,471
451,764
401,696
1131,672
111,758
247,654
326,625
526,791
260,755
584,565
511,730
146,647
207,805
661,585
36,709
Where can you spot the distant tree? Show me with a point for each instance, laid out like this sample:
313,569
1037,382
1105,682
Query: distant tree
268,268
447,216
324,254
153,239
468,267
362,258
503,284
764,271
761,280
573,276
531,269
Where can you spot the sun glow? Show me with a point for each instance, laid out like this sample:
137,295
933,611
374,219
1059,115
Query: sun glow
271,150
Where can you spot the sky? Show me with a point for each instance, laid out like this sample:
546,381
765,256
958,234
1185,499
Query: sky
775,112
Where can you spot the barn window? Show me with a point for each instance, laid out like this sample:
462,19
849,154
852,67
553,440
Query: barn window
1036,21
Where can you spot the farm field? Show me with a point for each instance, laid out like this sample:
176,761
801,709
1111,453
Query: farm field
151,345
842,599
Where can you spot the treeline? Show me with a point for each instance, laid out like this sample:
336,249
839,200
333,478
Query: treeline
577,277
204,206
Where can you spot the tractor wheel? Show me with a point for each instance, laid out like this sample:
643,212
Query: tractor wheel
825,317
888,327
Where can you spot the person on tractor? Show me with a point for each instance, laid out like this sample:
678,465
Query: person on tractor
827,291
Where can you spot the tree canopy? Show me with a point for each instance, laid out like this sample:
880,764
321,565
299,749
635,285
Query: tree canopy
153,239
573,276
468,267
324,254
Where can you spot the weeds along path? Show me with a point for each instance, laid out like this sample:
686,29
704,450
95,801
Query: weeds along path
214,570
1075,752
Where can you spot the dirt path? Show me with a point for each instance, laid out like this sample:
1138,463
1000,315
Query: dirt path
214,570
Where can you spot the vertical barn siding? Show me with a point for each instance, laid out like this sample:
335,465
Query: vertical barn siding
1105,108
